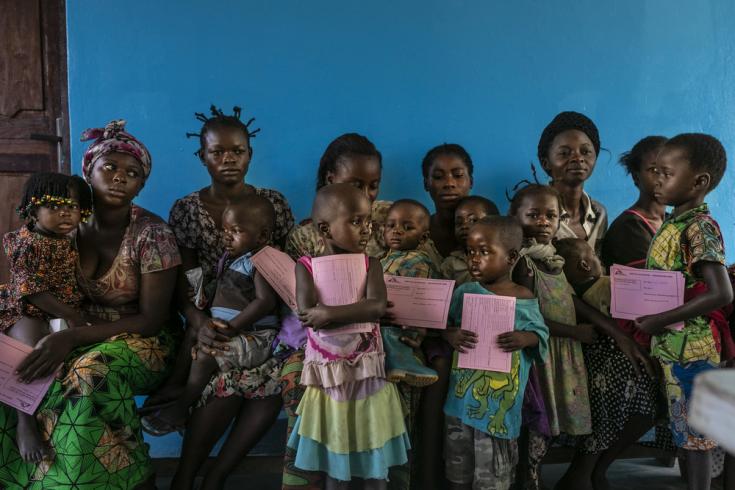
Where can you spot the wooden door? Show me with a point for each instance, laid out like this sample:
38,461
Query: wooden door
34,122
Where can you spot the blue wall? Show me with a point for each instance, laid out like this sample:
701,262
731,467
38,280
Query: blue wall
409,74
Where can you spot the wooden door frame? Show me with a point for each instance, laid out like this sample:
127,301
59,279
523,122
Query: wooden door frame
55,44
40,129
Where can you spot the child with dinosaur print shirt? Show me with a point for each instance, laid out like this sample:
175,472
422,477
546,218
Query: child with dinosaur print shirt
483,408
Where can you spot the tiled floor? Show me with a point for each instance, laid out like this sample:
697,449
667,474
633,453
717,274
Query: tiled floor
262,473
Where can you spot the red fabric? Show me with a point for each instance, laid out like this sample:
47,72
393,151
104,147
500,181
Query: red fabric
642,338
719,323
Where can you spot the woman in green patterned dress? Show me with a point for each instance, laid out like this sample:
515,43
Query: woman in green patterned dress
127,270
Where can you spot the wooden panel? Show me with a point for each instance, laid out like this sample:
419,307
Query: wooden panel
21,57
11,188
33,68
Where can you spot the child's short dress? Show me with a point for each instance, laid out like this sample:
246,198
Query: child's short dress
454,266
483,408
617,393
350,420
236,287
681,243
563,377
38,264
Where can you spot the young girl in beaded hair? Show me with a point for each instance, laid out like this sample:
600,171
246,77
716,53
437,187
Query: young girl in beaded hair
42,284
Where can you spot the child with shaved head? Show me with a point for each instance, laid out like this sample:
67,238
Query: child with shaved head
348,424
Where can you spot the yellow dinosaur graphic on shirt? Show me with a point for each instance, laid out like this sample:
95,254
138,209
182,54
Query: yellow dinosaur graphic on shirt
486,385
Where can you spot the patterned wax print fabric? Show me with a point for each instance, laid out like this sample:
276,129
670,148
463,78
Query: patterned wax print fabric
455,267
113,139
594,224
88,416
409,263
680,244
37,264
563,376
627,240
617,393
347,425
195,228
683,242
491,401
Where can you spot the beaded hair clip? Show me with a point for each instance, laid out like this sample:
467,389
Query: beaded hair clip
46,200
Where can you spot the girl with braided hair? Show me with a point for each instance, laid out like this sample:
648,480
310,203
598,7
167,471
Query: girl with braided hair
42,286
248,394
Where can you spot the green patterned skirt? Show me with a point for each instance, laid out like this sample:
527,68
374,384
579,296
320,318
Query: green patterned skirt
89,418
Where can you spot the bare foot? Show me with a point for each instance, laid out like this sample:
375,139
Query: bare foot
31,446
165,394
175,415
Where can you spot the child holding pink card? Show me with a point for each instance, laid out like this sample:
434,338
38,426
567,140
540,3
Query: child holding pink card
483,408
688,168
349,424
43,286
562,379
406,229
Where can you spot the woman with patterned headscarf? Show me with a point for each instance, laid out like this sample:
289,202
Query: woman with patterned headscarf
127,268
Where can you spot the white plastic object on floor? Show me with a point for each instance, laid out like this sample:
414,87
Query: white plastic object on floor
712,409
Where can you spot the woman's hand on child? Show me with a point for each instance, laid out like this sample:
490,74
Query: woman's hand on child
316,317
224,327
460,340
513,341
46,356
212,339
413,336
637,356
586,333
649,324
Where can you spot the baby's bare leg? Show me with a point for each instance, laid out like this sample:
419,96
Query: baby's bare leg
30,444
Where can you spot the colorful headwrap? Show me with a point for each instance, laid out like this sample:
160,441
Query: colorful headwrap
113,139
